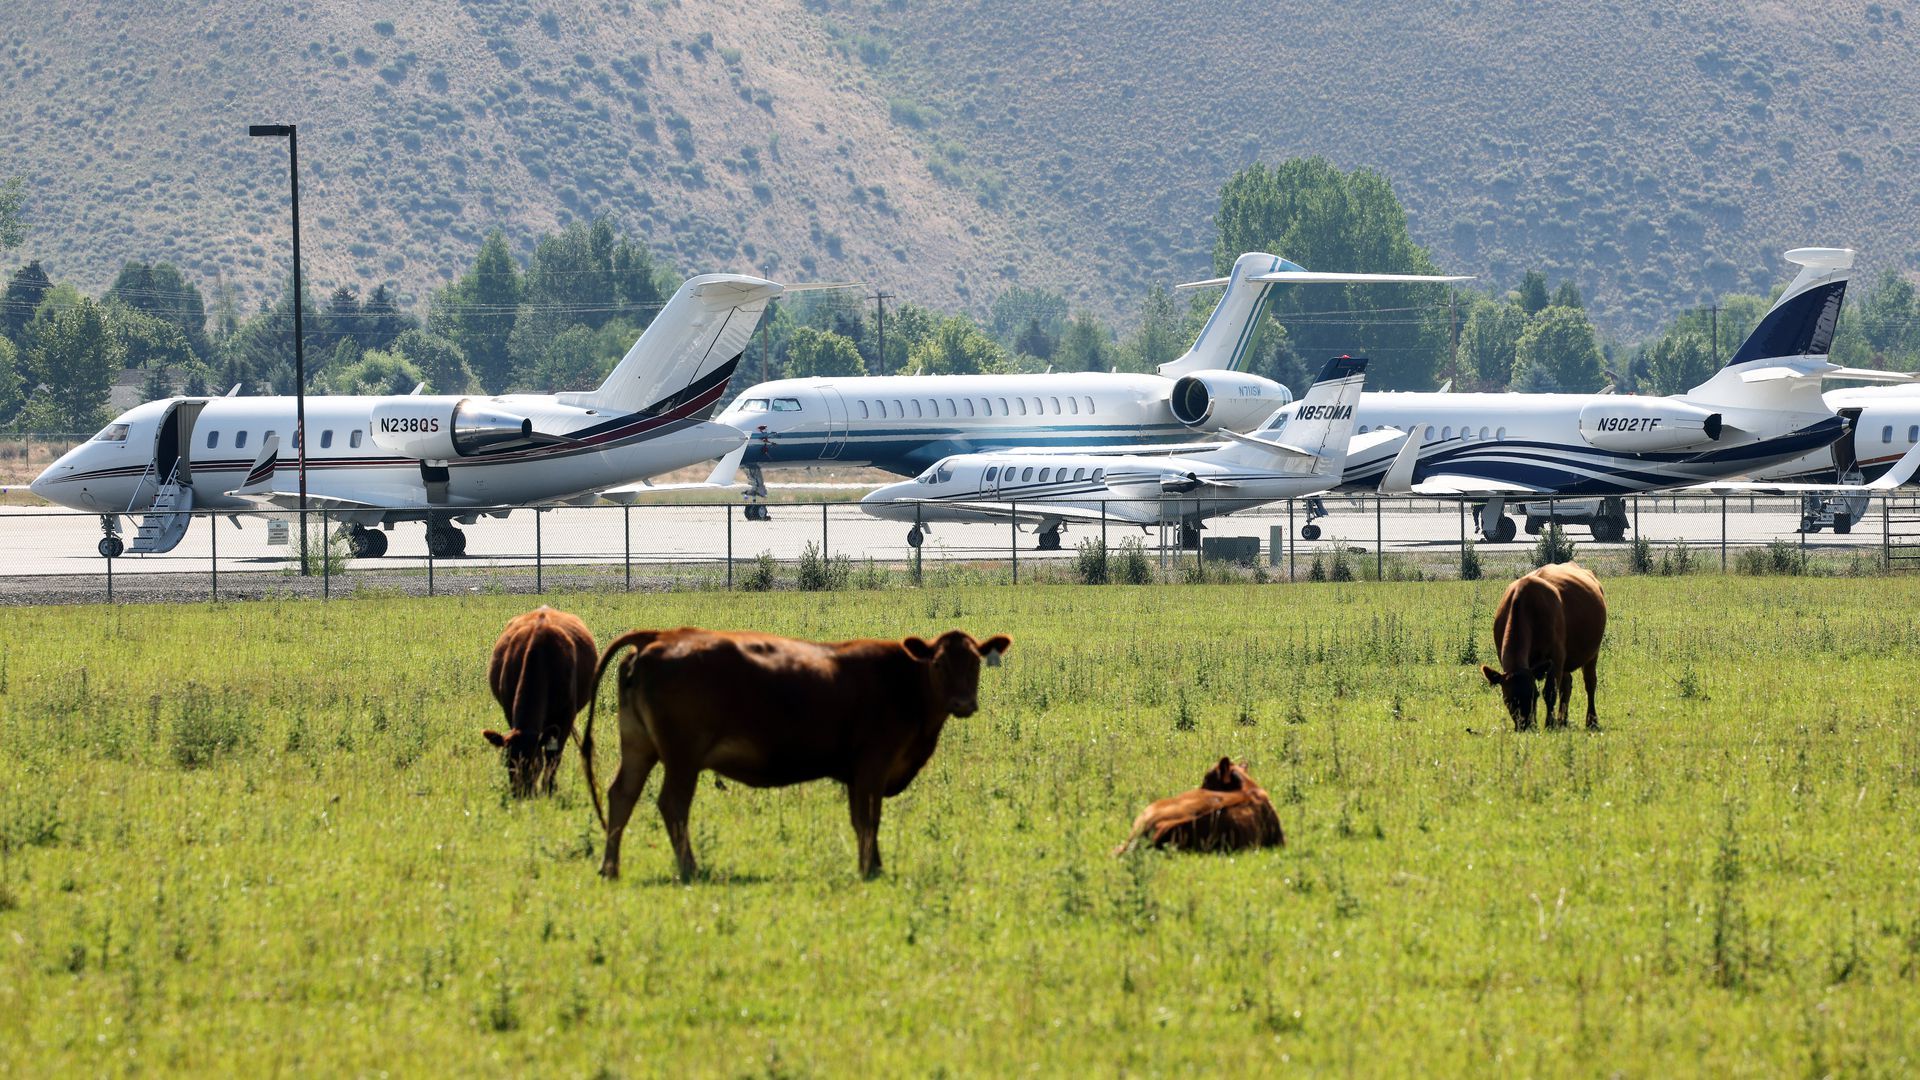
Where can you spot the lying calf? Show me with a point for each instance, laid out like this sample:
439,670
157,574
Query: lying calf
1227,812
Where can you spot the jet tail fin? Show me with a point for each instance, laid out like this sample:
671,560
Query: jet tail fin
1786,354
1314,429
689,351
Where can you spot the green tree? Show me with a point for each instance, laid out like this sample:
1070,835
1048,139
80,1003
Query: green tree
12,386
1034,340
28,286
1532,294
1678,362
1086,345
821,352
376,372
163,292
1567,295
1888,323
150,343
1557,352
1162,335
569,362
1324,219
13,200
74,353
1018,306
907,326
381,320
1489,339
341,320
477,312
957,346
438,360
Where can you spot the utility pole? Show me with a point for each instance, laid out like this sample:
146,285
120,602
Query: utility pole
1453,334
268,131
880,323
1714,308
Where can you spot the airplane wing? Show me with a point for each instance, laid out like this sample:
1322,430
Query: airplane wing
1820,369
1051,511
276,500
1901,472
1283,451
630,494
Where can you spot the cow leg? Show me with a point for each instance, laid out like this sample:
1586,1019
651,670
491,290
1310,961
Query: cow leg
676,799
863,803
1591,674
1549,688
637,758
1566,699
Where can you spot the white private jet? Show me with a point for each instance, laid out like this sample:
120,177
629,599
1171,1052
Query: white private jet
904,423
1300,450
1763,408
372,461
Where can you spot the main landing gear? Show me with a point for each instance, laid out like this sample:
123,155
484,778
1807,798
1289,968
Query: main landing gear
758,512
915,536
1050,539
444,541
366,543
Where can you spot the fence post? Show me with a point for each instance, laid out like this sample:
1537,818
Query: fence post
1379,555
1463,536
539,556
919,568
1636,517
1106,557
326,564
823,530
626,539
430,552
1291,544
1723,534
213,534
1886,532
109,579
1013,532
729,511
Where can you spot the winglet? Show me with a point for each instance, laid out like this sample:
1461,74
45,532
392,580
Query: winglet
1398,479
725,469
1901,472
259,479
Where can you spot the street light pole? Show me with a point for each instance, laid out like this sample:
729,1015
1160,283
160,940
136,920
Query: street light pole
291,132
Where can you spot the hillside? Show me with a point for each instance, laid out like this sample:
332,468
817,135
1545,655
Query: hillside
1656,154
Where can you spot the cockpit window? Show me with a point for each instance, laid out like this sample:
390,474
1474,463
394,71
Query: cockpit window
786,404
112,433
754,404
941,473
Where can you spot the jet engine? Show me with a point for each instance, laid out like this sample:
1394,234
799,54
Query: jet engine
1234,400
1637,425
437,429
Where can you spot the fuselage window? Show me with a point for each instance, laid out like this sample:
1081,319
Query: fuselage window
1089,406
1886,434
1500,433
1429,431
1043,475
969,402
1038,408
1005,409
354,439
1099,475
1079,474
326,439
986,406
1483,434
953,407
1022,402
992,471
1447,432
239,439
1362,431
786,404
113,433
1026,474
1913,433
900,408
1056,407
864,413
213,439
916,408
1073,404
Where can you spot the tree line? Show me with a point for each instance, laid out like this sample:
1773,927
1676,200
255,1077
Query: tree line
563,317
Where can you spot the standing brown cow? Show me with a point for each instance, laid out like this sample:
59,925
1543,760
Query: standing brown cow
542,676
1227,812
1548,623
771,711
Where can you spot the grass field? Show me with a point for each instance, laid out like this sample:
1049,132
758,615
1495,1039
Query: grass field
267,837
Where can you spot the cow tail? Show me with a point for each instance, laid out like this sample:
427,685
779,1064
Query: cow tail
639,639
530,690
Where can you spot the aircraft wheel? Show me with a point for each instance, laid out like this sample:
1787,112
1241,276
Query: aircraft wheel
915,537
1309,532
1842,525
757,512
365,543
1189,538
1608,530
111,547
379,542
1050,540
1503,533
459,541
443,543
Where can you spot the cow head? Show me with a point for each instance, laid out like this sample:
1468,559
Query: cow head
530,761
955,662
1228,775
1519,689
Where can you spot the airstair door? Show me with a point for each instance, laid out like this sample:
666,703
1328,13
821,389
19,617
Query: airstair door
836,423
173,443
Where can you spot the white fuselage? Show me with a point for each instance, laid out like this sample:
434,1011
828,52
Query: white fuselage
587,450
904,423
1888,427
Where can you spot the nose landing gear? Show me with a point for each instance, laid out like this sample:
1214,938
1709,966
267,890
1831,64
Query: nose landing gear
111,546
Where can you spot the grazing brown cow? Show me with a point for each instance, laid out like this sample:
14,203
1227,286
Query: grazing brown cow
1227,812
1548,623
542,675
771,711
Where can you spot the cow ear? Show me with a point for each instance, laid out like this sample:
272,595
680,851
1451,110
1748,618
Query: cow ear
992,649
917,648
494,737
1492,675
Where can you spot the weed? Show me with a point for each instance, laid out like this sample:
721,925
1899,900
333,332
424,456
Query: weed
1552,546
1470,568
819,572
1134,566
1640,555
1090,564
760,573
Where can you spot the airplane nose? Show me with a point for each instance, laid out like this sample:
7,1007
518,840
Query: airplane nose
886,502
